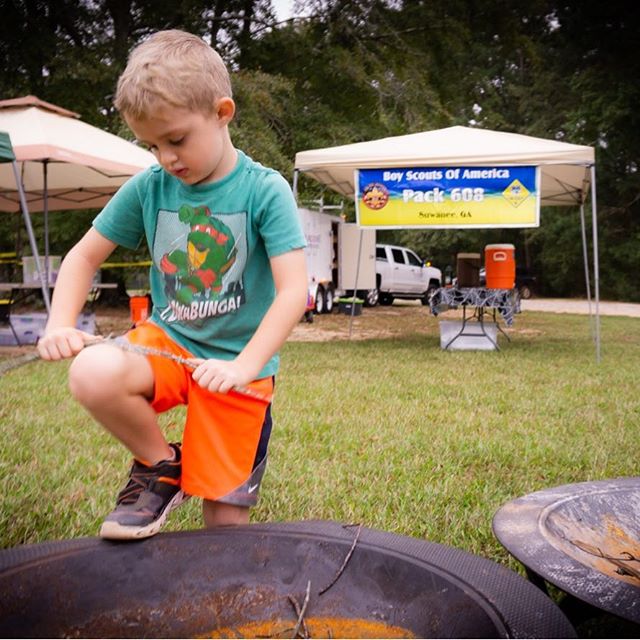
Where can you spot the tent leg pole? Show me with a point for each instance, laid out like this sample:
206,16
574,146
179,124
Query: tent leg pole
32,238
45,176
294,187
585,258
355,285
596,264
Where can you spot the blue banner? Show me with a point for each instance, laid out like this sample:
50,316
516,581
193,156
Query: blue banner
448,197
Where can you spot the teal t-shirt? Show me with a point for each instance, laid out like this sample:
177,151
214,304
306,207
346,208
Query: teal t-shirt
211,281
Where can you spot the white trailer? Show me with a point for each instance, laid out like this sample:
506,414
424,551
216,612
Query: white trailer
332,251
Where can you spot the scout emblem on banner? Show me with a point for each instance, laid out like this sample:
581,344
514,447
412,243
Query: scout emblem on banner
448,197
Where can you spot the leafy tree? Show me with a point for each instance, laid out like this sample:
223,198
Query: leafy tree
261,125
355,70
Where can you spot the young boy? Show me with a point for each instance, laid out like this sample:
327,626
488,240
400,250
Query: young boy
228,284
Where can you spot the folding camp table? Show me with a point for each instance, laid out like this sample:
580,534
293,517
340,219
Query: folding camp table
482,302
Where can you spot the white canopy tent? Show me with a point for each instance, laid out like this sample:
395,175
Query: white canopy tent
567,171
8,157
62,163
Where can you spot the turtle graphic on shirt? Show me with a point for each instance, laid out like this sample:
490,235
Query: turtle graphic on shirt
211,252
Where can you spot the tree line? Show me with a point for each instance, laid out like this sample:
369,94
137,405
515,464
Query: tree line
355,70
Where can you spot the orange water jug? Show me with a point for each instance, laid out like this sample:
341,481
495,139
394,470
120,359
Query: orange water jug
139,308
500,266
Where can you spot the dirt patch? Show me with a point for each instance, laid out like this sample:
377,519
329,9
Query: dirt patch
114,321
376,322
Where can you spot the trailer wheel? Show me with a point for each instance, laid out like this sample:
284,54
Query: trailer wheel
371,297
328,299
386,299
320,299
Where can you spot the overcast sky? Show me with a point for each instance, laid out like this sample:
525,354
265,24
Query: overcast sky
283,8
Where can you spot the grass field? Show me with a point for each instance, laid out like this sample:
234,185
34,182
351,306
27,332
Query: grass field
389,431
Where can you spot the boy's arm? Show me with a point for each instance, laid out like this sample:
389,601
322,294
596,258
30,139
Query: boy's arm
61,339
290,278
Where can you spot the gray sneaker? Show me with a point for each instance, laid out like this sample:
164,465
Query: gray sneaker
144,504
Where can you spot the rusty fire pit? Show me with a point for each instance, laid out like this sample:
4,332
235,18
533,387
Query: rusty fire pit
313,579
583,538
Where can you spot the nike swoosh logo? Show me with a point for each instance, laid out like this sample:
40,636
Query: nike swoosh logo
253,487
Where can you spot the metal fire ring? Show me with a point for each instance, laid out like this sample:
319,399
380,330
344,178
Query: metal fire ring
583,538
186,584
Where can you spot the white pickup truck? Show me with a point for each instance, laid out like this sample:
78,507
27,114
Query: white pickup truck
400,273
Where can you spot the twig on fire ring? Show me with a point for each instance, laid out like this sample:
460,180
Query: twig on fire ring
301,611
344,564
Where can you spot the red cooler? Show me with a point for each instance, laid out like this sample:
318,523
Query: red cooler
500,266
139,308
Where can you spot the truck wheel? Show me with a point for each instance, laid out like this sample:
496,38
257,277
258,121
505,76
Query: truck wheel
525,292
371,297
426,298
328,300
320,299
386,299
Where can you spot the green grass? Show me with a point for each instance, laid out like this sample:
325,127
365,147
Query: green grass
391,432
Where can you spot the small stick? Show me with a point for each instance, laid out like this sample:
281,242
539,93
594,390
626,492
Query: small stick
344,564
296,608
301,616
622,568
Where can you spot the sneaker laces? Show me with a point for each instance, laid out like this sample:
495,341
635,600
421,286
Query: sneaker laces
140,479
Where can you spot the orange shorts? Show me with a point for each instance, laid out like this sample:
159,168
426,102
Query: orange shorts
225,435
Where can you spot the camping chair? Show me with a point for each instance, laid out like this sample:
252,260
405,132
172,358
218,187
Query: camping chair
5,318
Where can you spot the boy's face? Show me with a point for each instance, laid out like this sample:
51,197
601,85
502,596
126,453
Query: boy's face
193,146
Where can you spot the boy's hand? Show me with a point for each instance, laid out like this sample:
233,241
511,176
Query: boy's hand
219,375
64,342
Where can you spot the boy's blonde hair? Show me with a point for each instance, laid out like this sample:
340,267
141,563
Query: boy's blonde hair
174,67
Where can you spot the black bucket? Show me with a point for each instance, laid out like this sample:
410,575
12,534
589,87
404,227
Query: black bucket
468,269
256,580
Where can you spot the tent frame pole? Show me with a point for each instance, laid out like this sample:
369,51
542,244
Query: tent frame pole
355,285
596,263
32,238
585,259
294,187
45,178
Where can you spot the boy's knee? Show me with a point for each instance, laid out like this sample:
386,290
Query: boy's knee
94,374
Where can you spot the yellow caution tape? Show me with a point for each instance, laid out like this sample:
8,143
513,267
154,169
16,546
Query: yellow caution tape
119,265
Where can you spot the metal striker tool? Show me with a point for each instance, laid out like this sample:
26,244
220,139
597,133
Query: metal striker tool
125,345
